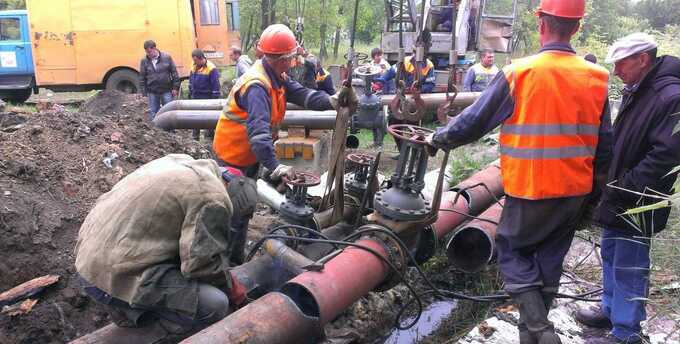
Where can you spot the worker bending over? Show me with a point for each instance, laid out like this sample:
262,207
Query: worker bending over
555,137
156,247
248,125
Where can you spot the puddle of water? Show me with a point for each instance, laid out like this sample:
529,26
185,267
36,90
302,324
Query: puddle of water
428,322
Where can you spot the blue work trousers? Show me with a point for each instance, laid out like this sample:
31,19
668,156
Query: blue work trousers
156,100
625,280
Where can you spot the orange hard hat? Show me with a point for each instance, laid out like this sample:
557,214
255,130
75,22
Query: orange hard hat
574,9
277,39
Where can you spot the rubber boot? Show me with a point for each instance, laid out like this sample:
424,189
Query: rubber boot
548,300
525,336
534,315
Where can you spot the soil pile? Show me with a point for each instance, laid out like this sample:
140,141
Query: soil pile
53,166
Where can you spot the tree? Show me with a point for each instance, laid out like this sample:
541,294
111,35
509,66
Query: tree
12,5
659,13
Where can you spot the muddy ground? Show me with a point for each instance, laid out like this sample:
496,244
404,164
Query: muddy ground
55,162
52,170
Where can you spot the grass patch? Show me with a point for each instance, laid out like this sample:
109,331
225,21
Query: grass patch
465,162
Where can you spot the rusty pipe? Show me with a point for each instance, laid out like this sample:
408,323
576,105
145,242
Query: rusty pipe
268,320
207,119
472,247
343,280
346,277
482,188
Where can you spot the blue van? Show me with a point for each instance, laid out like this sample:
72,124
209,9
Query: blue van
16,57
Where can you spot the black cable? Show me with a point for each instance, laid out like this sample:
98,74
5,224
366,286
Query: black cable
470,216
375,253
260,242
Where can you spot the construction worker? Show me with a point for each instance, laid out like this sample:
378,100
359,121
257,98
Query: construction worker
480,74
555,137
243,62
158,78
425,85
324,81
157,245
645,151
204,83
255,108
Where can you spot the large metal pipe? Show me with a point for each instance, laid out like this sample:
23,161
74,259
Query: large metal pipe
432,100
472,247
326,293
273,318
269,195
482,188
207,119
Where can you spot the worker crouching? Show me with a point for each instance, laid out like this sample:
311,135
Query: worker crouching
156,247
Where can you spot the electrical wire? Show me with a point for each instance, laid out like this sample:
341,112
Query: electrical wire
417,298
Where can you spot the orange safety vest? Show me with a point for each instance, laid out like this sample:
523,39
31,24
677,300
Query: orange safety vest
411,68
231,137
548,144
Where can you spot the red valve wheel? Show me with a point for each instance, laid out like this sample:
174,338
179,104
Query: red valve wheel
306,179
410,133
361,159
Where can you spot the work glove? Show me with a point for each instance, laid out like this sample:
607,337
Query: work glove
237,294
346,97
430,147
243,194
283,170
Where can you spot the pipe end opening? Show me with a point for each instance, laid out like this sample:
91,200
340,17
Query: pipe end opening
470,249
303,298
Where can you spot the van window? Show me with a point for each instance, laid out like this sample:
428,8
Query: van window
210,12
9,29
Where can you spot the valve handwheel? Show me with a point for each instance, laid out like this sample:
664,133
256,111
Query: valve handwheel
367,70
361,159
358,56
410,133
305,179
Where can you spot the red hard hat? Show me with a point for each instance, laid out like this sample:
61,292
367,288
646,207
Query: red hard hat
277,39
574,9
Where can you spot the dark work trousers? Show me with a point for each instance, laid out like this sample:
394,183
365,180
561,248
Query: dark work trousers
532,239
239,225
391,120
209,133
212,305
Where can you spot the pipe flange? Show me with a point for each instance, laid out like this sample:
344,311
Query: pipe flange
395,255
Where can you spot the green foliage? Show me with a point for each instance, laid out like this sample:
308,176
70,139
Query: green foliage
659,13
12,5
463,164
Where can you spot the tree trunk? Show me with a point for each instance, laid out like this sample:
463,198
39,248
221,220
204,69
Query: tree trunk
264,10
336,42
322,32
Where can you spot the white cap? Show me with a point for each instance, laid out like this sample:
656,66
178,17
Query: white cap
630,45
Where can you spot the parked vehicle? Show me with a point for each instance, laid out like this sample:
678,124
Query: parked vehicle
79,45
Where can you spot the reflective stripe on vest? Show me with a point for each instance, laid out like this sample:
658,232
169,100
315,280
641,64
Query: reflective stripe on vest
231,142
548,144
410,67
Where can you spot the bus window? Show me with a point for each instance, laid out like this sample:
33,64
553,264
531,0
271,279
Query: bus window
210,12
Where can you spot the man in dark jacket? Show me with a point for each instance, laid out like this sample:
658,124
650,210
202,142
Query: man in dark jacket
158,78
204,83
645,151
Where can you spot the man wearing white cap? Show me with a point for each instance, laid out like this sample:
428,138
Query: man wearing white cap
645,150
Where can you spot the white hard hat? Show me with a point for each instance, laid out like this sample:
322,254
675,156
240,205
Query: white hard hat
630,45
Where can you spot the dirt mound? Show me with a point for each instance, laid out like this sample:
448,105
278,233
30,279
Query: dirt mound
53,166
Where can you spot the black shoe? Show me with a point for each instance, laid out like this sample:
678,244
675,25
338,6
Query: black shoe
593,316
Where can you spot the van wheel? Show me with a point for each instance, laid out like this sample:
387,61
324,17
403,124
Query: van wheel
123,80
17,96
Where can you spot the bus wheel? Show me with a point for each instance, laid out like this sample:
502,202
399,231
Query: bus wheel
123,80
